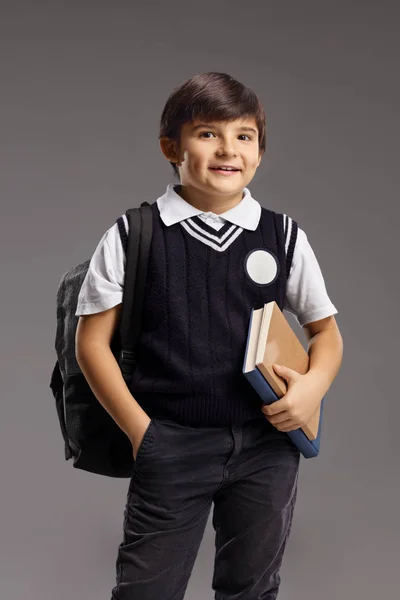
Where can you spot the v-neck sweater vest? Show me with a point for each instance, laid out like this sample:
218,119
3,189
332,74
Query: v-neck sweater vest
199,294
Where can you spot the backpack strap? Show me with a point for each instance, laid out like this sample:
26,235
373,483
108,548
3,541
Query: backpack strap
137,248
122,233
290,236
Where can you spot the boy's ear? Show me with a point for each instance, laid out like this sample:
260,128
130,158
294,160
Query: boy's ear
168,148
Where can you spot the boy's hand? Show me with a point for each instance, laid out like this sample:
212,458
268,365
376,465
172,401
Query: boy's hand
137,437
296,407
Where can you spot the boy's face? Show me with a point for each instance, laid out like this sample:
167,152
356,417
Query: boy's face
207,145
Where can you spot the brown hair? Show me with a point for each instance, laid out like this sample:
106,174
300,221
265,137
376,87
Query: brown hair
213,97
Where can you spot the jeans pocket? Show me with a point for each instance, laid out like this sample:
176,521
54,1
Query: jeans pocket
145,439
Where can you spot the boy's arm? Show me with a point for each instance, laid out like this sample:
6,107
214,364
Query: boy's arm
305,392
103,374
325,350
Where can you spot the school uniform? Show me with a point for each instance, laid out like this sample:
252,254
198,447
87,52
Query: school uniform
208,443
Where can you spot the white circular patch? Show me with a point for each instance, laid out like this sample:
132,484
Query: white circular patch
261,267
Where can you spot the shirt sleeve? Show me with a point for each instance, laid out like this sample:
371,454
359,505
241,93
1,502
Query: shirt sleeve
306,295
102,287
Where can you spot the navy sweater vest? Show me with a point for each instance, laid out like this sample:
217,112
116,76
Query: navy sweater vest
196,315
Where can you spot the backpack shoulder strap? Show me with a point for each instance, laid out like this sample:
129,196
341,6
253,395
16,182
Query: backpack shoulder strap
123,233
137,244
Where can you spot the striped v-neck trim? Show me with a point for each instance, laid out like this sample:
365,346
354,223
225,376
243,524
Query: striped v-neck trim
218,240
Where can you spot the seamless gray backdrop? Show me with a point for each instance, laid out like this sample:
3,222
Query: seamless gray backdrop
82,89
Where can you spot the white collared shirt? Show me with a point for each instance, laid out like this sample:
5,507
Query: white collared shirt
306,295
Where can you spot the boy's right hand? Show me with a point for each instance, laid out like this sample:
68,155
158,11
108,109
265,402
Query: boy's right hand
138,436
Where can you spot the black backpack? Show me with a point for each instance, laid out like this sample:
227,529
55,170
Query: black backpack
92,438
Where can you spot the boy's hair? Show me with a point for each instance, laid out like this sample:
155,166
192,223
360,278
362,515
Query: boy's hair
213,97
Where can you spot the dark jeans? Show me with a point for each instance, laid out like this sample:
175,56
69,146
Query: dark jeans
249,472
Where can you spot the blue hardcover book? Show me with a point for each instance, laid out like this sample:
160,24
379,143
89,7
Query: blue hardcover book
269,326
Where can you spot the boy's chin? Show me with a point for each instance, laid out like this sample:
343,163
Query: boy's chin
232,180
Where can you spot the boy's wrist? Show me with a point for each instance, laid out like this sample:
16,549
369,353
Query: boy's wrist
319,380
136,431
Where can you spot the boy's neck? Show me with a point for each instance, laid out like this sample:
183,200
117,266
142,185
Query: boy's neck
209,203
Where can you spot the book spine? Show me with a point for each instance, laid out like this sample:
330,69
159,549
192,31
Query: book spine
261,386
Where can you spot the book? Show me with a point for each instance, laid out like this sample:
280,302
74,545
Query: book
271,340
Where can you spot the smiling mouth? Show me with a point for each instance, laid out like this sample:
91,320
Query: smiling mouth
224,171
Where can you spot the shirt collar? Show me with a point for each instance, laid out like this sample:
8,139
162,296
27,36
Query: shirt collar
173,209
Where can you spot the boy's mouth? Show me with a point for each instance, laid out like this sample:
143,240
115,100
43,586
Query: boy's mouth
224,171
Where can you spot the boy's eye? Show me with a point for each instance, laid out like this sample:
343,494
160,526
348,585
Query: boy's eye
242,134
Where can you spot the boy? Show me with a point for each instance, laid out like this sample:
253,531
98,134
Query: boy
199,434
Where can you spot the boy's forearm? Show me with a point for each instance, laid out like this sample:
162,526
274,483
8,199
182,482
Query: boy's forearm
325,350
105,379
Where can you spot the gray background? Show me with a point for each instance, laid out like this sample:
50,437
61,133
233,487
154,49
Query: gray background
83,85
